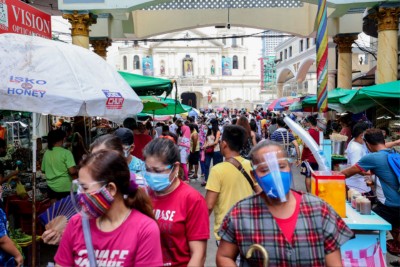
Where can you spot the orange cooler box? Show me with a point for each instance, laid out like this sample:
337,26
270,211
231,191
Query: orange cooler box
331,187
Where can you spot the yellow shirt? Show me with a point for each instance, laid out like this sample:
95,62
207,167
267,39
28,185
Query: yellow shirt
231,185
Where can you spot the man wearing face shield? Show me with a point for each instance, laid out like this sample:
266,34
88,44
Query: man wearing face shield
295,228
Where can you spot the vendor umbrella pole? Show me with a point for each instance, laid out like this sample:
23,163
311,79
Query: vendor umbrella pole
34,147
176,97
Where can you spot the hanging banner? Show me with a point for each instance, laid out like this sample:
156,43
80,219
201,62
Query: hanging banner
147,66
21,18
226,66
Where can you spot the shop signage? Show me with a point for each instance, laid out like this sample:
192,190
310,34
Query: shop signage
82,1
26,86
21,18
114,100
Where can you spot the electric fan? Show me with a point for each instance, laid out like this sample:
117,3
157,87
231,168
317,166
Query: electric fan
57,216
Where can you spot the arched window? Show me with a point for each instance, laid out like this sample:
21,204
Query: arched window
136,62
235,63
125,62
244,62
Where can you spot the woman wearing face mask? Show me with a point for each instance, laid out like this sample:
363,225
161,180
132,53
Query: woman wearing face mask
122,226
115,143
212,142
302,230
180,210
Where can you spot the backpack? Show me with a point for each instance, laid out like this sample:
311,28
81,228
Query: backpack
394,162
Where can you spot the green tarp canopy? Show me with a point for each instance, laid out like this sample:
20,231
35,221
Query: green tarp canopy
386,95
169,109
333,97
147,85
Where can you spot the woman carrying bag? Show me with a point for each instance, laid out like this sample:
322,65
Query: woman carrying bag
211,148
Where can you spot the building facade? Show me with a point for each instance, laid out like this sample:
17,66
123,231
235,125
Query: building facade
221,72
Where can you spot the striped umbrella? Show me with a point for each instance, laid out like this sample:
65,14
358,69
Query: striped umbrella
322,56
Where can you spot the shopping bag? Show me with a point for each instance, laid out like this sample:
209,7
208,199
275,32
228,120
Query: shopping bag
20,190
367,257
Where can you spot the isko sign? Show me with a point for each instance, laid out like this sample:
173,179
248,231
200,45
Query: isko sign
21,18
25,86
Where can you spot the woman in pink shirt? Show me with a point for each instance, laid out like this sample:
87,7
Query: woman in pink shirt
122,226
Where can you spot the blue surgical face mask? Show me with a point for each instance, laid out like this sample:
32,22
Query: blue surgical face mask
209,126
267,184
157,181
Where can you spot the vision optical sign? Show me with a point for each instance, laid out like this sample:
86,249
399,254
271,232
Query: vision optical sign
21,18
82,1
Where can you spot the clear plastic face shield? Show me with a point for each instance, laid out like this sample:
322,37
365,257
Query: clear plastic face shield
272,172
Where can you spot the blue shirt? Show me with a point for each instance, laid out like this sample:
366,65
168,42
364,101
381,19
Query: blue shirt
4,256
283,136
387,184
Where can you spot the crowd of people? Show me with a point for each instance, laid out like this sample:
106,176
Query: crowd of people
133,187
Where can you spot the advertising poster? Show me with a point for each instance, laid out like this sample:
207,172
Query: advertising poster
147,66
21,18
227,66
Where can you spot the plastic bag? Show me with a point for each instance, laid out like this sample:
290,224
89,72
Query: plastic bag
371,256
20,190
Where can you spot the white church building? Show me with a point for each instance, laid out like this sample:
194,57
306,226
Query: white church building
209,72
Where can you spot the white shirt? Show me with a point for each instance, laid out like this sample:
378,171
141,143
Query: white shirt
355,151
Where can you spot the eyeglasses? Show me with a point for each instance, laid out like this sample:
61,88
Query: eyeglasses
84,187
156,170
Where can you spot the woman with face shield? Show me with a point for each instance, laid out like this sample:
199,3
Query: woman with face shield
122,226
180,210
295,228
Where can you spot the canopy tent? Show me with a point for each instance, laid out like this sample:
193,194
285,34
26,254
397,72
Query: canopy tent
173,107
281,103
386,95
333,97
147,85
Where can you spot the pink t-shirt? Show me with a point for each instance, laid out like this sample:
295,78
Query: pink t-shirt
288,225
182,216
136,242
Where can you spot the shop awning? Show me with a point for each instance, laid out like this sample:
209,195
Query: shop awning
173,107
386,95
147,85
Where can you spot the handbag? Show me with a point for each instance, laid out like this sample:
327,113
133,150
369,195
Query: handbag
371,256
209,150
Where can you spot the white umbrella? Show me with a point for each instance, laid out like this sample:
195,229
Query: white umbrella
44,76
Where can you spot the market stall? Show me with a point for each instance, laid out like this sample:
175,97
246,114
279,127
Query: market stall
66,85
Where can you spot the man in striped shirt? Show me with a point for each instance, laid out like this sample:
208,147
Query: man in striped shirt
284,137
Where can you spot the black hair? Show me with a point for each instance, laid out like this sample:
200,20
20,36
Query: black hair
164,149
165,128
234,136
214,128
336,126
312,120
273,120
374,137
358,129
55,136
110,141
66,127
281,122
386,129
253,125
130,123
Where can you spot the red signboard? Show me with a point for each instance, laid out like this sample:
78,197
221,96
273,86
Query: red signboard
18,17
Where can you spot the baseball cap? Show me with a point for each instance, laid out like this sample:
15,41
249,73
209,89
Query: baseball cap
125,135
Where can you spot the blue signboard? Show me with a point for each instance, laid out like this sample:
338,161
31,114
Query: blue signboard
147,66
226,66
